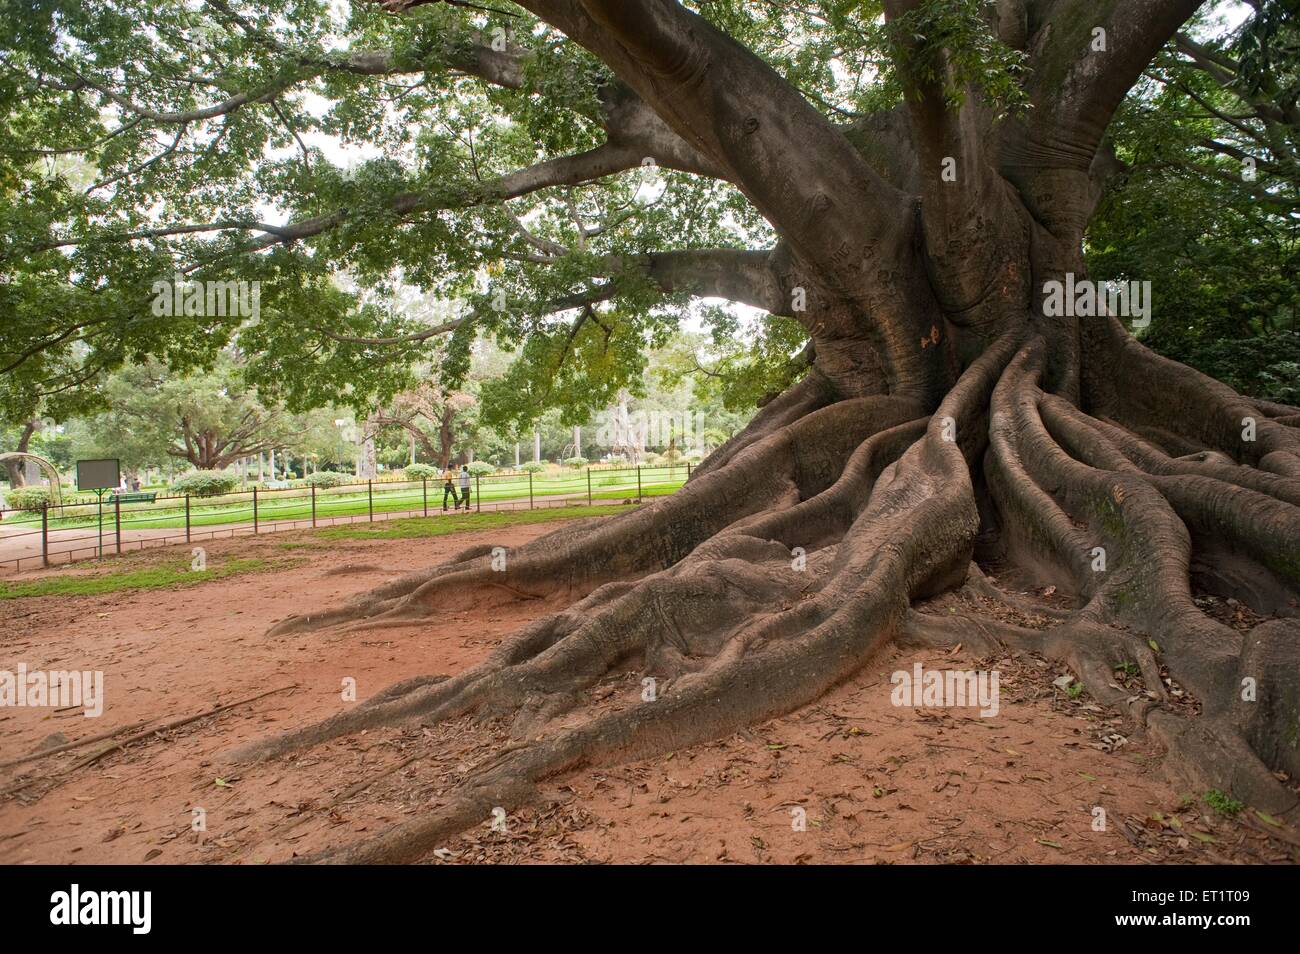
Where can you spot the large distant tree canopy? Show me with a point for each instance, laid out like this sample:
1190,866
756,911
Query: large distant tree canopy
904,187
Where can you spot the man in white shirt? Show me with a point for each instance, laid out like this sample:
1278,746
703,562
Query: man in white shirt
464,487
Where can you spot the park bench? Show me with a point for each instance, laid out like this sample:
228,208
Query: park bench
137,497
277,485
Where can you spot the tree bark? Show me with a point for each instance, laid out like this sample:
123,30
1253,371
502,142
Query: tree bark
16,469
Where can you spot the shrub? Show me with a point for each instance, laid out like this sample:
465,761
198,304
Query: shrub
575,461
29,498
327,478
533,467
421,472
481,468
205,484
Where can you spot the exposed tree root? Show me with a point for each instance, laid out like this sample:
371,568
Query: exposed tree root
796,461
780,571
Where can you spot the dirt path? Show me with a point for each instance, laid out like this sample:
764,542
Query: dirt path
873,782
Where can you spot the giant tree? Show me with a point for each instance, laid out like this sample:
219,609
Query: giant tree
925,171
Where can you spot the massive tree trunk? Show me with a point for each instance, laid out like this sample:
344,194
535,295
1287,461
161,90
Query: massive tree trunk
16,470
949,419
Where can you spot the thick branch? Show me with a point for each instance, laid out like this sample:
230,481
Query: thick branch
798,168
1076,86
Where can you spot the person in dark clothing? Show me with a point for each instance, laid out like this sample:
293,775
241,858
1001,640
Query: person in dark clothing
449,488
464,486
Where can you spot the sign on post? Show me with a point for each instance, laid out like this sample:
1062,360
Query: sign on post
99,474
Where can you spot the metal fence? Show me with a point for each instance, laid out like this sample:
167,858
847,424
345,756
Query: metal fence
88,530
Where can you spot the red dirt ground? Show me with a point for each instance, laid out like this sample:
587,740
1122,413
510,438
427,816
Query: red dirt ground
876,783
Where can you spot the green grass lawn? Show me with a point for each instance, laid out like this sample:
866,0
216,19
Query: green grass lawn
176,573
647,490
296,504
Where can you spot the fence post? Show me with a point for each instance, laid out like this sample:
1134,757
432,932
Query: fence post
313,506
370,498
45,536
478,493
187,518
688,470
530,490
638,483
424,482
117,522
254,511
588,486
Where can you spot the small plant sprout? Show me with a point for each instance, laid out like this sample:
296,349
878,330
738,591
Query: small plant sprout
1221,803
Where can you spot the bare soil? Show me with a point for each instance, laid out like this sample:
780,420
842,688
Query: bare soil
872,782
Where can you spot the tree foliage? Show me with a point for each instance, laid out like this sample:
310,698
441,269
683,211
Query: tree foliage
1208,201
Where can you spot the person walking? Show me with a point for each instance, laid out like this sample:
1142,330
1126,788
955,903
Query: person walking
448,487
464,486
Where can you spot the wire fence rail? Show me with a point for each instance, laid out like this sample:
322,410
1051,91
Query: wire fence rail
64,533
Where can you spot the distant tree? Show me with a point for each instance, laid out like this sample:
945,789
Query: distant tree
437,419
208,419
